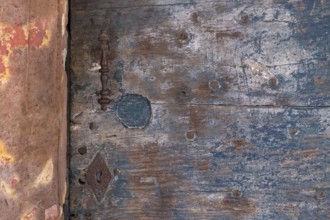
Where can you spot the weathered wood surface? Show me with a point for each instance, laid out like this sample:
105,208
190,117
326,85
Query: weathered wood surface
204,162
220,53
239,93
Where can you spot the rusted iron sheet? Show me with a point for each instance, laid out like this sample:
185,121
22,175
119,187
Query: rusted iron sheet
239,103
33,109
98,176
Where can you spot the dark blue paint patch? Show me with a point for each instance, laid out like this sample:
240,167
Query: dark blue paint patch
119,187
120,190
133,111
219,155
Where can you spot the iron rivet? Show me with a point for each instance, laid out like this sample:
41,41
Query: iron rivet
214,85
293,130
82,150
190,135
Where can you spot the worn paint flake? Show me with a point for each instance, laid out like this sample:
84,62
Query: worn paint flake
46,175
7,189
5,157
52,213
12,37
30,214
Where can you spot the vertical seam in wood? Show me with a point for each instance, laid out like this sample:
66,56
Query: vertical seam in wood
26,88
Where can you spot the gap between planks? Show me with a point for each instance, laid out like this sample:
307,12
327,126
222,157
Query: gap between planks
226,105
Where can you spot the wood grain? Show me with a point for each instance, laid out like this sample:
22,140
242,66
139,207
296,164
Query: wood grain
254,55
239,93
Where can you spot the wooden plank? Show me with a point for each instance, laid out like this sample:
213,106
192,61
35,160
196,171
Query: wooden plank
33,109
210,53
113,4
239,97
206,162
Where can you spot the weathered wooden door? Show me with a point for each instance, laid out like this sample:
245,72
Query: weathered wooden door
220,110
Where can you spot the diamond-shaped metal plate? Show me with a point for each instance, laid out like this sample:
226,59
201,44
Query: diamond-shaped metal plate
98,176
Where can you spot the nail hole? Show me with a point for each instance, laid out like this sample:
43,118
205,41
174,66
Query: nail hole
322,195
98,176
81,182
245,19
152,78
237,193
183,36
183,39
273,83
92,126
183,93
82,150
194,17
163,192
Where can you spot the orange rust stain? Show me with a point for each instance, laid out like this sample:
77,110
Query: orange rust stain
225,170
238,206
290,209
241,144
299,6
310,152
305,153
319,80
154,173
229,34
196,119
203,166
233,204
203,90
16,36
287,163
150,44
